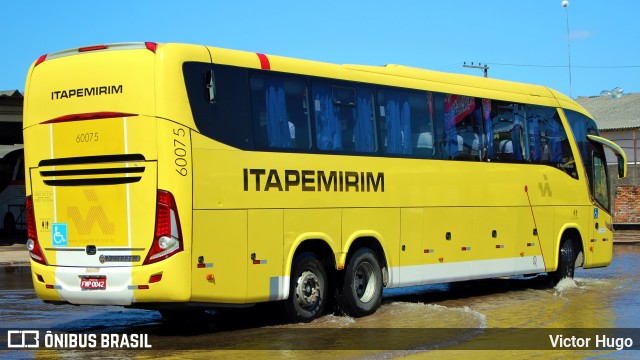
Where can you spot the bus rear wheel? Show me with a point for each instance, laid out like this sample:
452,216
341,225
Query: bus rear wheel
308,289
362,288
566,263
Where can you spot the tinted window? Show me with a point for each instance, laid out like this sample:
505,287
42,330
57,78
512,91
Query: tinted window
548,139
343,116
581,126
600,183
280,111
509,142
226,117
463,129
406,123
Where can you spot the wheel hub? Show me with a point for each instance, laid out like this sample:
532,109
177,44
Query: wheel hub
364,282
308,289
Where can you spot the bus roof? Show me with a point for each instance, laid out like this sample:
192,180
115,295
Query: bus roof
400,75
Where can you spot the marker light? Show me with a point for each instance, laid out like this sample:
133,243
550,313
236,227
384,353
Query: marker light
40,60
93,48
151,46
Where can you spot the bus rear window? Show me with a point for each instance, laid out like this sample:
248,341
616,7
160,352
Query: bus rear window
225,117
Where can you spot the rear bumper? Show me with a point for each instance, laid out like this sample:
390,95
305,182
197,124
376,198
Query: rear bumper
124,285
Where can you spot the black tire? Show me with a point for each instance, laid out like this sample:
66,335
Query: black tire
307,289
361,291
566,263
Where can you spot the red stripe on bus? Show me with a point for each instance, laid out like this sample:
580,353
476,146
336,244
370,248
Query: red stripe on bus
264,61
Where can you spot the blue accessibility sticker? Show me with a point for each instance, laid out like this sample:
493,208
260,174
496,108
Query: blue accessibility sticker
59,234
595,213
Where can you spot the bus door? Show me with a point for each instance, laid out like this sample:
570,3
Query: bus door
601,240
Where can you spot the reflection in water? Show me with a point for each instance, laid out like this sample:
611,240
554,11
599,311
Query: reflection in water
597,298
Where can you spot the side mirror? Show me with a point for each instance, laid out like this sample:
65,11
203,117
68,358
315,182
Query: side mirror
210,85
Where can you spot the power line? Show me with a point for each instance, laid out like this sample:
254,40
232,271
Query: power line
565,66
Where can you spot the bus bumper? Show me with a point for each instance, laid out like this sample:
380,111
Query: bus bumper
166,281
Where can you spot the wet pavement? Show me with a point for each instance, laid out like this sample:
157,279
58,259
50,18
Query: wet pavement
411,322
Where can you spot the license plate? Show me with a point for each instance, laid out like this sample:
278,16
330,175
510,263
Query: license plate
93,282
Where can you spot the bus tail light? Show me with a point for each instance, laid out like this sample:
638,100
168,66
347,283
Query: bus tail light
93,48
168,235
32,234
88,116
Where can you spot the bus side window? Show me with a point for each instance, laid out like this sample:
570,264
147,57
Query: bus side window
539,139
344,118
463,134
510,140
280,112
406,123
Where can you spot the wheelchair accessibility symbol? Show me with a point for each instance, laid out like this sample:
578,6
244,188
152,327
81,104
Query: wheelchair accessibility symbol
59,234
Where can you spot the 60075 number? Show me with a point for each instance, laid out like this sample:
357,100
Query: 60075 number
180,152
87,137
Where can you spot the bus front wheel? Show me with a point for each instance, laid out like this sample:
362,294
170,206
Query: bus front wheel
566,263
308,289
362,288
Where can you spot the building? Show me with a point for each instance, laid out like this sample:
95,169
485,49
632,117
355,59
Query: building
11,117
618,118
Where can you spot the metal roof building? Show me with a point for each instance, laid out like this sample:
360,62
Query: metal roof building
614,113
619,120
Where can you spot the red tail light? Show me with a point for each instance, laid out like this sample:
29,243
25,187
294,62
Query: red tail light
32,234
88,116
168,236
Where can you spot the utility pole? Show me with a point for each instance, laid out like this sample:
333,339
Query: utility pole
479,66
565,5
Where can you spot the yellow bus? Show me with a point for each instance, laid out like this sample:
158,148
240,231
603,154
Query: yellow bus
173,176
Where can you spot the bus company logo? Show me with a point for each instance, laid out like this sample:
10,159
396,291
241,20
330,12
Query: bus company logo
545,189
118,258
312,180
96,214
23,339
87,91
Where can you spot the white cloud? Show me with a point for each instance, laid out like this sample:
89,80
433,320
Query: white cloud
580,34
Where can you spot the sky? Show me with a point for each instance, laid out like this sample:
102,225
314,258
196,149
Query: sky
525,41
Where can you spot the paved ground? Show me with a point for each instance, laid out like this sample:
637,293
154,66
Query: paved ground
14,255
17,254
